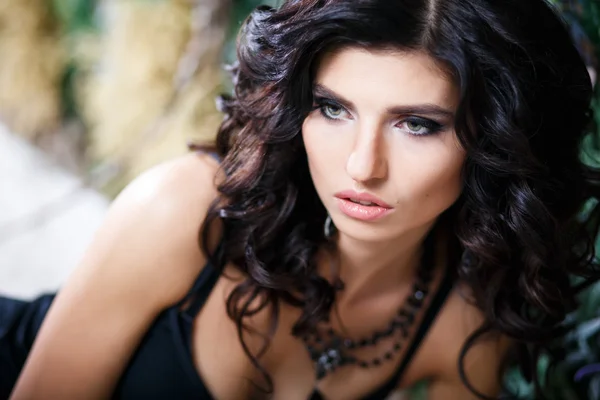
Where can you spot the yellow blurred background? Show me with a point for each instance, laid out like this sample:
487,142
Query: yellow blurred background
111,87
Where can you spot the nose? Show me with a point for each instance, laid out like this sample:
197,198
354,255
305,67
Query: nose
368,160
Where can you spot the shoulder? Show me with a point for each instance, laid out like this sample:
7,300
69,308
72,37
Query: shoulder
181,181
151,231
143,259
483,360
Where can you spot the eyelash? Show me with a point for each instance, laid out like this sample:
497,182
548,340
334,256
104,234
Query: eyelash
432,126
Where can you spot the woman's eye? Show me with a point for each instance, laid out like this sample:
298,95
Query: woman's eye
332,112
416,128
420,127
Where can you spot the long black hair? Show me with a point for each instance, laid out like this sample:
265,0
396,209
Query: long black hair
524,111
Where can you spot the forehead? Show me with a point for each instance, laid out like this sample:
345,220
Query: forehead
389,75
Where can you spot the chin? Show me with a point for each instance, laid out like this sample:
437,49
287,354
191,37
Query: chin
366,231
383,230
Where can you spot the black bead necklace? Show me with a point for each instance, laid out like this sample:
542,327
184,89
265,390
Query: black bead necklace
330,351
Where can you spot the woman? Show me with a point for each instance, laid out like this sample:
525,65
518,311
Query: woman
397,203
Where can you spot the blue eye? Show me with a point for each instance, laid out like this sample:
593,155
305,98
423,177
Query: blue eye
420,126
331,111
416,128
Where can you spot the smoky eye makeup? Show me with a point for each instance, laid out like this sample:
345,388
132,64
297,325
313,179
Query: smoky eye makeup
419,126
408,119
412,125
329,108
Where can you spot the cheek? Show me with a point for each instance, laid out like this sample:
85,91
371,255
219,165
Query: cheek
324,146
445,185
432,176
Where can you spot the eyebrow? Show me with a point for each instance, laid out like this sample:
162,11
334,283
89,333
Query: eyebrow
420,109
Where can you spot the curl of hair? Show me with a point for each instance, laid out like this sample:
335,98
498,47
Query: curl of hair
524,110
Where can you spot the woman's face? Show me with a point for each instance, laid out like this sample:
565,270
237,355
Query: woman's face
382,126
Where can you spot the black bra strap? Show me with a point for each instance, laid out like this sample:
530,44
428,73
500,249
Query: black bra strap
204,284
200,290
428,319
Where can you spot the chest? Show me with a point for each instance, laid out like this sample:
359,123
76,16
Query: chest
228,372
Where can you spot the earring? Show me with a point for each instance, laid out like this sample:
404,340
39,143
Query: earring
329,229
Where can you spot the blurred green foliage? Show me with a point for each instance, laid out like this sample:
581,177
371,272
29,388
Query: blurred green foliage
240,10
581,346
75,15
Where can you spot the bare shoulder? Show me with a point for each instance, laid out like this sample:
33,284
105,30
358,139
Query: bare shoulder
482,361
189,178
144,257
151,230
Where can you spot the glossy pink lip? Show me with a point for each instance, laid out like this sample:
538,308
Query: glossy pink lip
359,211
350,194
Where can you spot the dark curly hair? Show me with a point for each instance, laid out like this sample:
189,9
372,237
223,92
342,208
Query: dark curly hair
524,111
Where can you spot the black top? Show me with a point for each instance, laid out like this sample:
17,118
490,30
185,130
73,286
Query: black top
162,365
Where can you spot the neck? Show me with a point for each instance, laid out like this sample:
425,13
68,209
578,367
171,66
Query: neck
370,268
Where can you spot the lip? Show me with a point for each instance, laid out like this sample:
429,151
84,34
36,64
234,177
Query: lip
359,211
350,194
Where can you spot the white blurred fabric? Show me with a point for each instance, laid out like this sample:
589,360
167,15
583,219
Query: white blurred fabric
47,219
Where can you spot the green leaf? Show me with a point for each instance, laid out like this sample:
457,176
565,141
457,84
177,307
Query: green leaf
75,15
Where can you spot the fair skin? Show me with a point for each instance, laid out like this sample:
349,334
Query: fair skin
369,146
133,270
